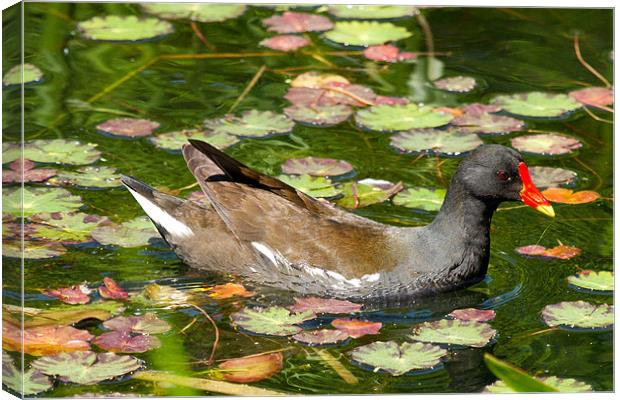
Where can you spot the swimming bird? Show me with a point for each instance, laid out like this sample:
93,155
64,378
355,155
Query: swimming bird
259,228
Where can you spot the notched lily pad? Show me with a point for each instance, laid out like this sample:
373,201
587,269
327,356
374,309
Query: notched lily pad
13,76
324,306
199,12
58,151
252,368
315,186
371,11
578,314
593,280
562,251
594,96
124,342
88,177
398,359
174,141
331,95
44,340
275,321
365,33
143,324
544,177
400,117
33,249
128,127
125,28
319,115
422,198
567,196
546,144
488,124
359,194
459,84
111,290
537,104
473,314
357,328
76,294
39,200
565,385
66,227
30,382
285,42
26,172
134,233
321,337
443,142
294,22
387,53
316,166
455,332
252,123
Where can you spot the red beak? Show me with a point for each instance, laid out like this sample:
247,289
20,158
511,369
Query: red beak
531,195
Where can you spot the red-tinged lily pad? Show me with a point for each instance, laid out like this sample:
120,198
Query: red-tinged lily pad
252,368
86,367
488,124
391,100
44,340
66,227
294,22
229,290
33,249
174,141
321,337
356,328
76,294
398,359
134,233
544,177
387,53
579,314
124,342
319,115
27,383
144,324
354,95
128,127
443,142
473,314
562,251
479,108
285,42
567,196
275,321
360,194
455,332
459,84
316,166
594,96
593,280
317,80
111,290
546,144
26,172
324,306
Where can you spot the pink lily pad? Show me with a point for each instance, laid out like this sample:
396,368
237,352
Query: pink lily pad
147,323
128,127
319,115
111,290
473,314
321,336
459,84
30,174
479,108
293,22
356,328
316,166
489,124
76,294
252,368
546,144
562,251
124,342
594,96
326,306
387,53
544,177
353,95
285,42
391,100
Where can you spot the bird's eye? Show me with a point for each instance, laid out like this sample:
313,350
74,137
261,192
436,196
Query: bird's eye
502,175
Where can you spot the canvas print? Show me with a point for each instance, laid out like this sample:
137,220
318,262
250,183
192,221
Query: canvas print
258,200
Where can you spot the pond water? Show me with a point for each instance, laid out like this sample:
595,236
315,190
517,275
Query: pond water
86,82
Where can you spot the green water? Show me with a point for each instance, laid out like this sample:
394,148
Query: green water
509,50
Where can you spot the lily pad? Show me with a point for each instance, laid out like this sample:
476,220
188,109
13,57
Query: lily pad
58,151
134,233
387,53
321,337
33,249
252,123
275,321
66,314
562,251
13,76
294,22
316,166
86,367
163,296
358,194
174,141
565,385
544,177
578,314
44,340
30,382
594,96
199,12
400,117
537,104
422,198
546,144
454,331
39,200
285,42
144,324
319,115
390,100
357,328
111,290
593,280
398,359
489,124
331,95
125,28
442,142
324,306
317,80
567,196
252,368
128,127
124,342
479,108
315,186
366,33
66,227
26,172
371,12
229,290
459,84
473,314
88,177
76,294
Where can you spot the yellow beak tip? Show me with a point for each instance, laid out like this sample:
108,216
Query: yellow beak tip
547,210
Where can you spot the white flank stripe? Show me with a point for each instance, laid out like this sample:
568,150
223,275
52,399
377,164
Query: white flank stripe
173,226
266,251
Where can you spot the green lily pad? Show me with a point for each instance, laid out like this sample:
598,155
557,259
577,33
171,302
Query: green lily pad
489,124
316,166
88,177
39,200
66,227
358,194
443,142
319,115
454,331
174,141
537,104
400,117
593,280
371,12
365,33
86,367
207,12
252,123
126,28
59,151
33,249
321,337
14,75
578,314
566,385
398,359
315,186
275,321
546,144
544,177
422,198
168,297
459,84
29,383
134,233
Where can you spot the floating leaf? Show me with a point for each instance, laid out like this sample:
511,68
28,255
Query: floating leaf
89,177
229,290
487,123
162,296
30,382
366,33
294,22
546,144
422,198
144,324
316,166
13,76
134,233
317,80
32,249
567,196
514,377
390,100
26,174
454,331
563,252
321,336
544,177
275,321
331,95
387,53
356,328
315,186
319,115
128,127
358,194
578,314
398,359
594,96
124,342
593,280
473,314
59,151
324,306
252,368
285,42
459,84
66,227
537,104
76,294
400,117
86,367
174,141
252,123
124,28
443,142
39,200
565,385
67,315
44,340
478,108
206,12
371,12
111,290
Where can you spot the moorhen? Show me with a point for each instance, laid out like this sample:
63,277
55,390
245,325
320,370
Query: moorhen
268,232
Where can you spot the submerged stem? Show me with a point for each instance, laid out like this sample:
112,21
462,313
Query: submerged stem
215,328
585,64
337,366
249,87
